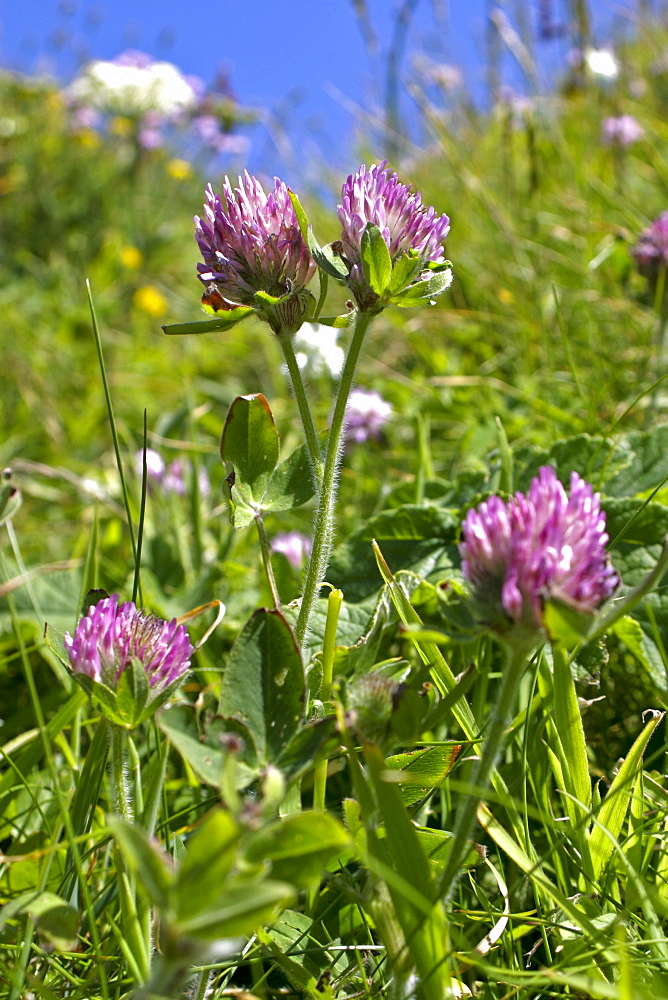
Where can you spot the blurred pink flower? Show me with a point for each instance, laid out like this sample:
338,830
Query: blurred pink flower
651,250
366,415
294,546
621,131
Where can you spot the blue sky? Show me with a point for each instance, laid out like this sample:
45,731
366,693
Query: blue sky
302,59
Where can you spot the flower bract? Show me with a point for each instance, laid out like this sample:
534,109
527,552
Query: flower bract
545,544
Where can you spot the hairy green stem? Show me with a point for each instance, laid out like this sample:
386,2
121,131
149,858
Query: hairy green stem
118,754
514,668
135,919
286,342
323,530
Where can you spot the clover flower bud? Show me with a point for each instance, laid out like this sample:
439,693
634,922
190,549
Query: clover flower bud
375,195
547,544
251,243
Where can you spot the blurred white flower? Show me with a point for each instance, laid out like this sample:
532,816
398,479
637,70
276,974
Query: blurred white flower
155,464
133,87
602,62
316,349
443,75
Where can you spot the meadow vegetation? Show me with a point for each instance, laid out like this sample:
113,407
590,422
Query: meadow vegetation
284,823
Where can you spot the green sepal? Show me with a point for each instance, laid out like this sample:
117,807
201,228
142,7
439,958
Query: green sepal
224,321
339,322
102,697
129,704
326,258
376,260
265,299
406,269
423,290
132,691
300,213
564,623
285,314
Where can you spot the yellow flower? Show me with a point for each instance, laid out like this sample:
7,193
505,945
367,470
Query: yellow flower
180,170
150,300
89,138
505,296
130,257
120,126
54,101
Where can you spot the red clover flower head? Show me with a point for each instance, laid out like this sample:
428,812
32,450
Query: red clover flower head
545,544
110,635
376,195
651,250
251,242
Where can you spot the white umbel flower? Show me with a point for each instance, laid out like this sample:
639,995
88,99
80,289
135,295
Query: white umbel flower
133,90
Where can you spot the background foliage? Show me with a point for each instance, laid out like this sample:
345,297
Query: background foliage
548,332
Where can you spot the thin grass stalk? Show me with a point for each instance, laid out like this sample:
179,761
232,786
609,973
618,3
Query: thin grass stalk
112,425
142,514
